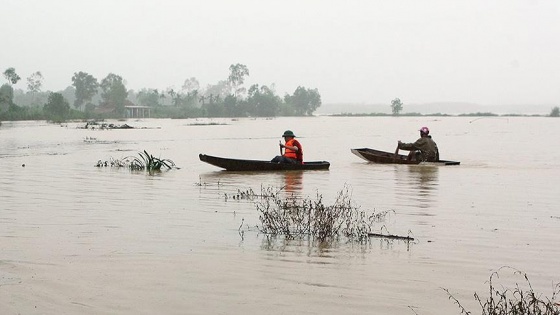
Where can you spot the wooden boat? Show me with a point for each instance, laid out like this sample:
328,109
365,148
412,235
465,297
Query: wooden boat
256,165
383,157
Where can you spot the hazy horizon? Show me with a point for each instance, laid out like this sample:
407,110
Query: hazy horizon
449,108
480,52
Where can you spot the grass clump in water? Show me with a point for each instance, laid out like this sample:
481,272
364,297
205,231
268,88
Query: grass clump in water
519,300
295,217
145,161
150,163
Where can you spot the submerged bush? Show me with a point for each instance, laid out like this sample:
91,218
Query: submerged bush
296,217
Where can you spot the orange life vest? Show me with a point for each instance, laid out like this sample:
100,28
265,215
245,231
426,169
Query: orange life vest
296,155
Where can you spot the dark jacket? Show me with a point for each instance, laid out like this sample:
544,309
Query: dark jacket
427,147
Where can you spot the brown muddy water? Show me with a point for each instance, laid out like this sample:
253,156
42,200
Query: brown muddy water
76,239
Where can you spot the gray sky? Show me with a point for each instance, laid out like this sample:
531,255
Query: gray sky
481,51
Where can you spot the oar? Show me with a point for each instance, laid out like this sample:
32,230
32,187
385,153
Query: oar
280,145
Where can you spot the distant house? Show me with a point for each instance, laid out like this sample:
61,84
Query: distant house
131,110
134,111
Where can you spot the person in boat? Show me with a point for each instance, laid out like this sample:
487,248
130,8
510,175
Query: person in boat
293,152
424,149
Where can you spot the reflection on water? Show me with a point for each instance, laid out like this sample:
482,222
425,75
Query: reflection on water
302,245
418,184
426,177
293,181
337,248
289,181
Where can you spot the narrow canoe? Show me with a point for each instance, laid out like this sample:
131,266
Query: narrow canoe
383,157
256,165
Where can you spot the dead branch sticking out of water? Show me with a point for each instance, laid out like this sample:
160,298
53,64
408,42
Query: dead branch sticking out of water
295,217
391,236
516,301
146,162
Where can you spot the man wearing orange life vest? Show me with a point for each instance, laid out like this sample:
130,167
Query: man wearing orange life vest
293,152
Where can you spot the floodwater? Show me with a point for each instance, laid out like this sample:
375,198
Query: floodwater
77,239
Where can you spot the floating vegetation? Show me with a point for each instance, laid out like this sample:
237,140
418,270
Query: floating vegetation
145,161
516,301
112,163
90,139
93,140
102,125
248,194
200,183
295,217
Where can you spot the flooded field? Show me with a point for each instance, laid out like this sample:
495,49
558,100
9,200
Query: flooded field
78,239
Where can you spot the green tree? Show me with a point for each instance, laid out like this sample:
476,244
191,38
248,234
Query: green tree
176,97
148,97
555,112
231,108
191,99
214,106
303,101
11,75
263,101
6,97
114,92
30,99
86,88
69,94
57,107
237,78
35,82
190,85
221,88
396,106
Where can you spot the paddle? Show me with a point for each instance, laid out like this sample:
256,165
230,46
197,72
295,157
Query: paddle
280,144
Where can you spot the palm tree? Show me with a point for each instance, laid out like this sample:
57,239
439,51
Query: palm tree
201,99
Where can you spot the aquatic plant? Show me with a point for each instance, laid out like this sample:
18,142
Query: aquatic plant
150,163
112,163
248,194
515,301
146,162
295,217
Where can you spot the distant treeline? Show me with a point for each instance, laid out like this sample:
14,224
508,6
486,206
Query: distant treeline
554,113
88,98
397,107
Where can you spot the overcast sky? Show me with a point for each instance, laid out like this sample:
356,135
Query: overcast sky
480,51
